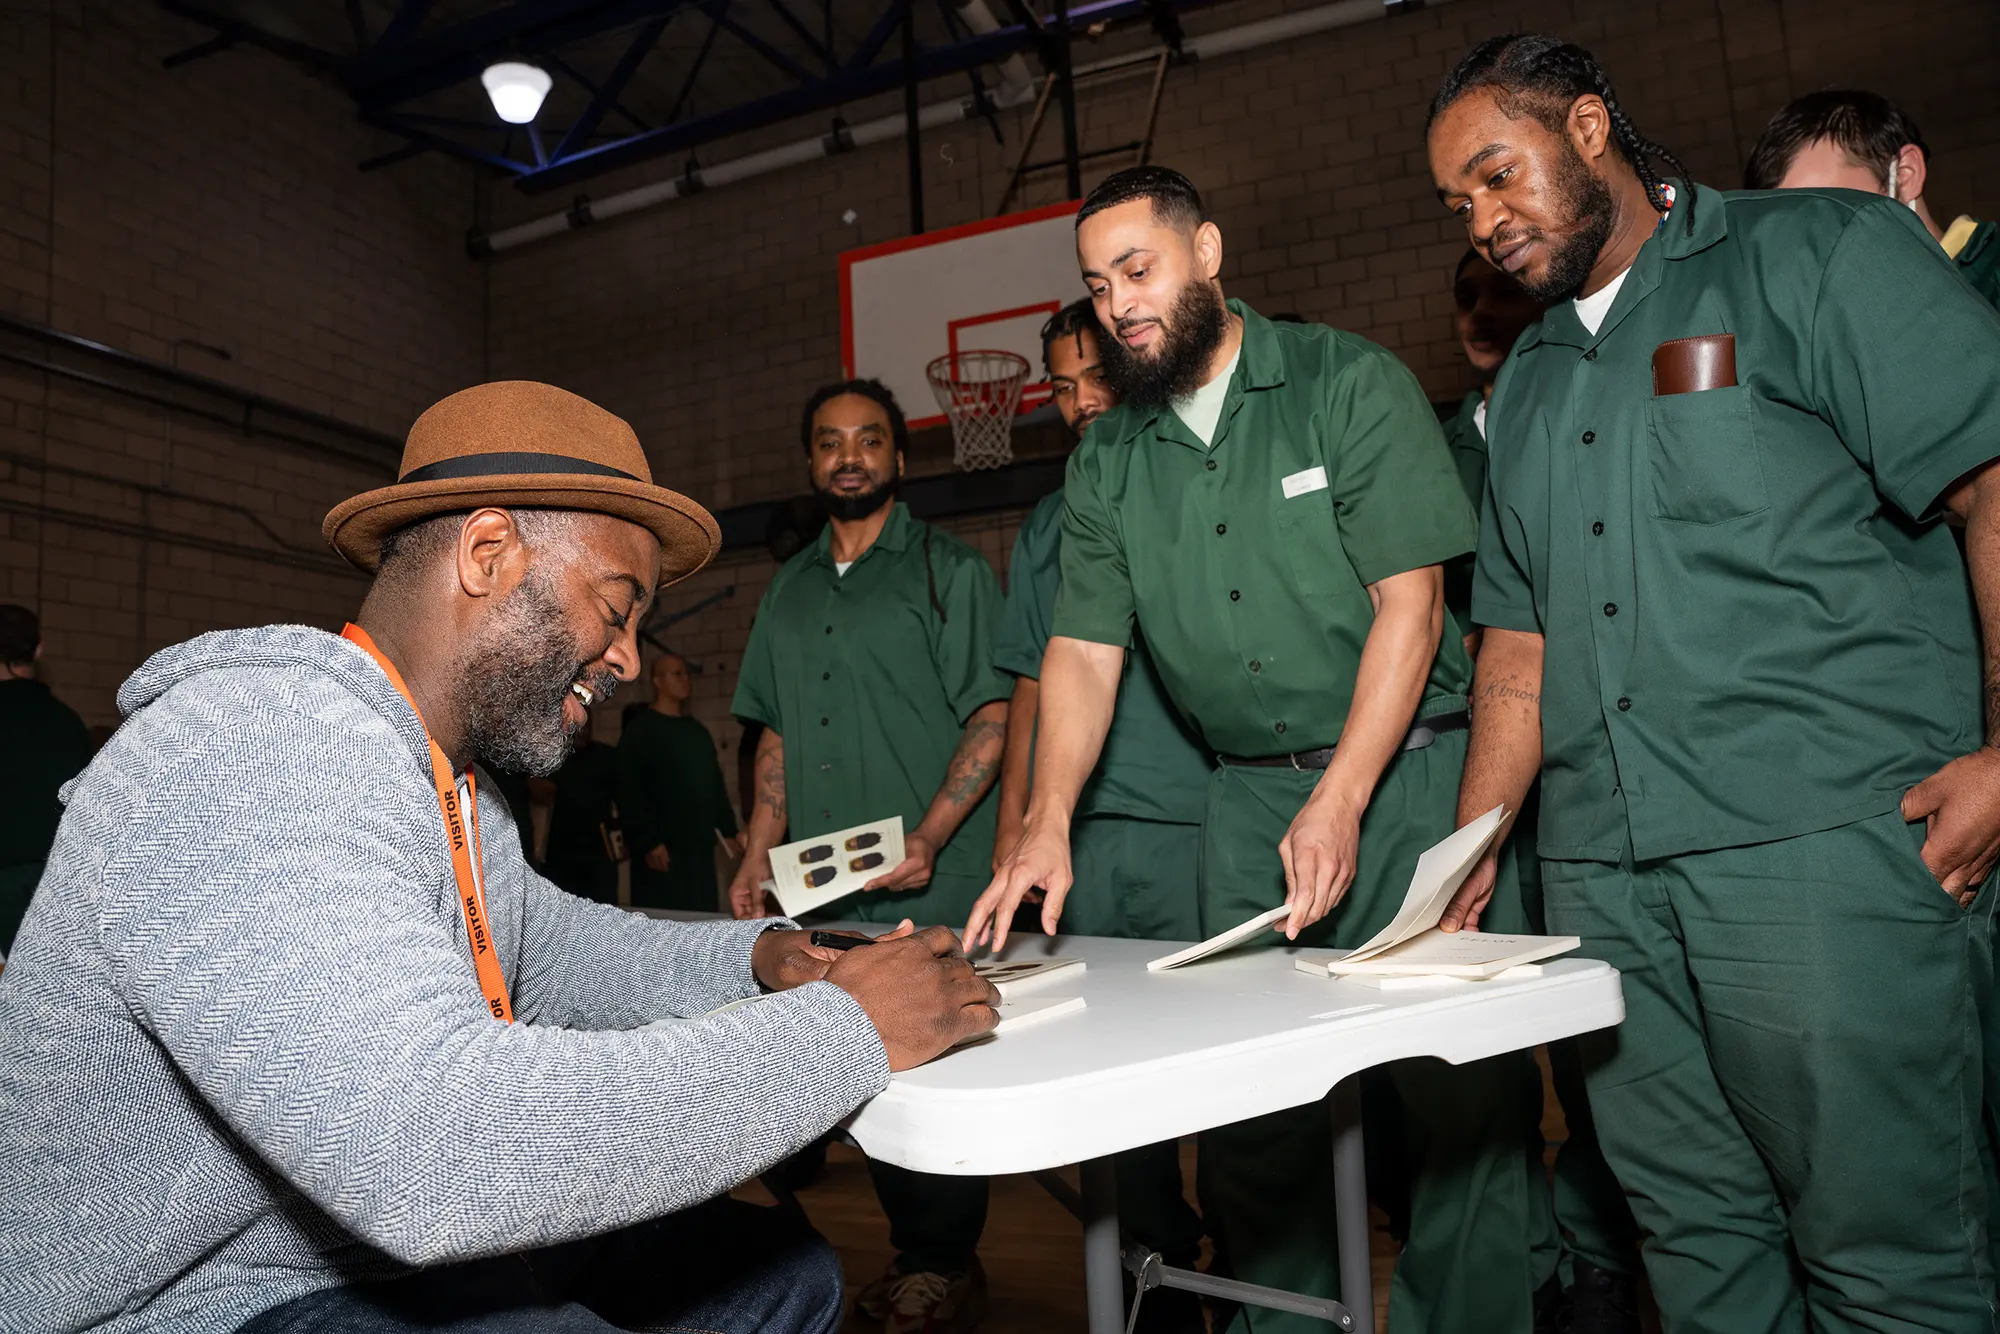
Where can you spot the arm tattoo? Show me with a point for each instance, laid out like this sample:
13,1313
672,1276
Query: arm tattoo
974,762
1510,688
771,776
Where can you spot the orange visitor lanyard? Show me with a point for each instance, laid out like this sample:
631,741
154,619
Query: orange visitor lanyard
470,897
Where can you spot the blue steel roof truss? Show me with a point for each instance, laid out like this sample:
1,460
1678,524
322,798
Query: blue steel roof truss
422,50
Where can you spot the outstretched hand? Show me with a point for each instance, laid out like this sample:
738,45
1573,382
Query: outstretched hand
1039,861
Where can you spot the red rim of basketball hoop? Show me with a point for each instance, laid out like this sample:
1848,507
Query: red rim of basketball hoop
979,390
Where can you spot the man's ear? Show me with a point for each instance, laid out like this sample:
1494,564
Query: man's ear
899,463
1208,250
1911,174
1589,127
489,552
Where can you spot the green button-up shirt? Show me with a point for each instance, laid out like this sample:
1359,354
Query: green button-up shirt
870,685
1978,261
1150,767
1755,628
1246,565
1467,444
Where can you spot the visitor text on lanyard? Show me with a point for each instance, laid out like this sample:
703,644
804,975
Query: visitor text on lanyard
464,847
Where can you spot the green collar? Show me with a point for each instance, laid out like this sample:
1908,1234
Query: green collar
1669,241
1260,365
1982,236
895,536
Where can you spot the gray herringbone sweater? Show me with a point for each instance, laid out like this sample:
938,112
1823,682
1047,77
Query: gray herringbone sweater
244,1056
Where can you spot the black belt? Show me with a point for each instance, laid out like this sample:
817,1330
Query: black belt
1423,734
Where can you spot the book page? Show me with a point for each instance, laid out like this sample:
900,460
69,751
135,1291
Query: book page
1440,871
1472,954
1235,935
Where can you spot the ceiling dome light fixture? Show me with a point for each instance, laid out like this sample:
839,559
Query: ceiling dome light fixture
517,90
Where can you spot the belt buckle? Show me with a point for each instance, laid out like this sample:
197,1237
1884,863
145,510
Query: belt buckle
1294,758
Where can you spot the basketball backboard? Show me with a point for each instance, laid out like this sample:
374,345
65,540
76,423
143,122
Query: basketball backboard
988,284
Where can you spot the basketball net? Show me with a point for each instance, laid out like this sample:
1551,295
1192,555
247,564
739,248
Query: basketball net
979,391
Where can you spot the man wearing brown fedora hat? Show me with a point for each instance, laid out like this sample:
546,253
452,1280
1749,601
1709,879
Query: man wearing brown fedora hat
293,1041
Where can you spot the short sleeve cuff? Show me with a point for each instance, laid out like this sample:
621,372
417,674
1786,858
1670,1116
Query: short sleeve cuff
1094,631
1919,496
1495,614
1381,565
1018,661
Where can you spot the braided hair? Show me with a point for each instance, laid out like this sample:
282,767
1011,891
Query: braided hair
1541,77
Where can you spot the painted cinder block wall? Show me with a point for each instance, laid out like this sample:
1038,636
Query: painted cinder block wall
220,203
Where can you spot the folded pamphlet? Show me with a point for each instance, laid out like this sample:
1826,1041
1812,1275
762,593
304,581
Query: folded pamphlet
812,872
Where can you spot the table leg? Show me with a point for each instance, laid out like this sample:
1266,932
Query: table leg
1350,1206
1103,1272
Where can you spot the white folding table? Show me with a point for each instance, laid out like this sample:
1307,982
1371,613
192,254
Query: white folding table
1160,1055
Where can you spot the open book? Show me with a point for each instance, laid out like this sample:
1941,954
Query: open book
1412,945
1015,977
1234,936
1440,871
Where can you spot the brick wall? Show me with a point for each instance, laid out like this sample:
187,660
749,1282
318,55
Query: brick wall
707,321
219,203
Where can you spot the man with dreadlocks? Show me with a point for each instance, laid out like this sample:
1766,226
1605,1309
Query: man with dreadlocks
1723,619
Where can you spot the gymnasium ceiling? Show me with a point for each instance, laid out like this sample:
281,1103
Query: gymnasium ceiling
634,80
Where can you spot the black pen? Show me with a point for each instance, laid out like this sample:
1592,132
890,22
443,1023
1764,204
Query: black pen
833,940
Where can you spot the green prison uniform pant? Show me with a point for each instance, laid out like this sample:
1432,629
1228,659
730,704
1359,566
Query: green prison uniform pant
1590,1209
1793,1100
1479,1227
934,1220
1135,879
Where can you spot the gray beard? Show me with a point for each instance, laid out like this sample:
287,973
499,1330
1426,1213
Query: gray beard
510,684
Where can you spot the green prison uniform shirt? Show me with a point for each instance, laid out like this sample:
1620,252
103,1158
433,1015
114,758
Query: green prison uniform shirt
1754,629
1467,444
1245,565
671,794
870,687
1150,768
1978,261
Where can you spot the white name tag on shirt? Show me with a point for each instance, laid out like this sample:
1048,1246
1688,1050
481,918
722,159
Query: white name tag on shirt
1300,483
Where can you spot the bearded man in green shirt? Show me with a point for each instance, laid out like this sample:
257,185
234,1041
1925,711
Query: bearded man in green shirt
1137,837
870,666
1725,623
1269,508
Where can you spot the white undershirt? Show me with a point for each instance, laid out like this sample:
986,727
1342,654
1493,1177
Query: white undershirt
1592,309
466,813
1202,409
843,566
1479,418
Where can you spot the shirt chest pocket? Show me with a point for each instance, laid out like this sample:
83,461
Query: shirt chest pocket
1703,461
1306,529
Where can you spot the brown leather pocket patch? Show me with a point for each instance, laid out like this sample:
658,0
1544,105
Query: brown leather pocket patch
1691,365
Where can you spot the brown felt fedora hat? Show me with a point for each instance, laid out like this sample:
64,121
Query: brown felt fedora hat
520,444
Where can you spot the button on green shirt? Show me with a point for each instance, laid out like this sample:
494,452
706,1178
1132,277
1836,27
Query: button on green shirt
1755,628
1150,768
1245,565
870,687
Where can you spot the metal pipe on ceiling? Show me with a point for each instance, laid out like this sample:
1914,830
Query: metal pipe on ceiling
1208,46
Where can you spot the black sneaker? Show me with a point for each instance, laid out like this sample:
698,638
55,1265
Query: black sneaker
1602,1302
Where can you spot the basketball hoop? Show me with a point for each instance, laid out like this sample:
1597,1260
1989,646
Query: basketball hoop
979,391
